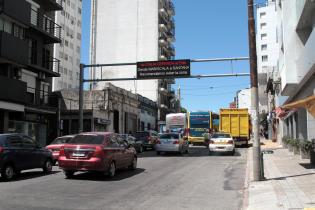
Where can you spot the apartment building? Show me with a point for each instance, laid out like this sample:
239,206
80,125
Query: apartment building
267,49
69,50
28,32
128,32
292,82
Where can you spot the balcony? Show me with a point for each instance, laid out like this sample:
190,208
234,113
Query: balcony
17,89
305,10
8,48
162,27
47,63
50,5
171,8
46,26
20,13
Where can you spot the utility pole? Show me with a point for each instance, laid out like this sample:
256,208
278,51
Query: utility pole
257,169
81,95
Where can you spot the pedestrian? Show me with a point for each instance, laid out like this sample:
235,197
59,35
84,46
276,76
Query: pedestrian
206,137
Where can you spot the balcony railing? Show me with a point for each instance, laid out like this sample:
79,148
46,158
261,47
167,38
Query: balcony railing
45,24
48,62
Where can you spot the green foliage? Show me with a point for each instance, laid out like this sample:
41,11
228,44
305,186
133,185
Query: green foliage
306,145
183,110
285,139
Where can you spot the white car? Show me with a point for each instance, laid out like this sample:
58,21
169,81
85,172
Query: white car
221,142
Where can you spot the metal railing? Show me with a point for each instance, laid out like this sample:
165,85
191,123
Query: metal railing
45,24
48,62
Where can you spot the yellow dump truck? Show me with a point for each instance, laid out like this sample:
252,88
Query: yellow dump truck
237,123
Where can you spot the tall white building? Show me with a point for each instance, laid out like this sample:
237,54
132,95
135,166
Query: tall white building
267,48
243,99
129,31
69,50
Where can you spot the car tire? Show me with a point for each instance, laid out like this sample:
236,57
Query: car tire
68,174
210,153
7,172
187,150
133,165
232,153
47,167
112,170
158,152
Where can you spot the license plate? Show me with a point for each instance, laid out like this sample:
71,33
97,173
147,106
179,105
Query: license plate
75,154
222,142
221,147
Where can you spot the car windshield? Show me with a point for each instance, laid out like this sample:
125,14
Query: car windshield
87,139
221,135
169,136
61,140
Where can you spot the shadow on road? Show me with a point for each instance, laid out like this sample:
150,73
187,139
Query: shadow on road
194,151
307,165
97,176
30,175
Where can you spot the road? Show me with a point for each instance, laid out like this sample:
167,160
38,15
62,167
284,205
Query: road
193,181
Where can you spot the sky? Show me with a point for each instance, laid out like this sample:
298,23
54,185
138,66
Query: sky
203,29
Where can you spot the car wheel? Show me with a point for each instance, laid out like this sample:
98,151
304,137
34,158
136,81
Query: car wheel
133,165
210,153
8,172
112,170
187,150
68,174
233,152
47,168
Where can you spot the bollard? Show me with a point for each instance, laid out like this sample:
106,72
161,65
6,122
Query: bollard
312,152
262,175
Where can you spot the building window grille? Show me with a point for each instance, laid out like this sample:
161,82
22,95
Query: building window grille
264,58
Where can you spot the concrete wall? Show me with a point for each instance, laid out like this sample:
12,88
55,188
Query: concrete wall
127,31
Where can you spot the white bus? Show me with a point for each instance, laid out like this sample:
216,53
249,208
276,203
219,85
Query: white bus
176,122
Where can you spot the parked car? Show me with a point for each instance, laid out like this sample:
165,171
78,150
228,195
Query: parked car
56,144
146,139
96,151
131,140
221,142
19,152
172,142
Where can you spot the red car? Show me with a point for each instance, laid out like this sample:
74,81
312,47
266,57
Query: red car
96,151
56,144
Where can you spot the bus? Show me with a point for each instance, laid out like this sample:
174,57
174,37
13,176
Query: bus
176,122
199,123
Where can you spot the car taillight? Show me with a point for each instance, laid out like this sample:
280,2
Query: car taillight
211,142
62,151
230,142
1,149
187,130
98,152
176,142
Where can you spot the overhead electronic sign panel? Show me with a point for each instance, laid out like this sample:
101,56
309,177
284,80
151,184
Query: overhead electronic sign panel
163,69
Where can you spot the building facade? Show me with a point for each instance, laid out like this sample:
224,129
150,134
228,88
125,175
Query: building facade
243,99
136,30
111,109
267,48
69,50
28,32
293,78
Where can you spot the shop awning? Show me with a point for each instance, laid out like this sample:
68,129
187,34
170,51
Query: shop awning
307,103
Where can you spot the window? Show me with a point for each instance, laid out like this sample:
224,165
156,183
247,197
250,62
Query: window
79,23
66,43
65,71
263,25
263,47
262,14
78,36
14,141
79,10
264,58
78,49
263,36
70,74
28,142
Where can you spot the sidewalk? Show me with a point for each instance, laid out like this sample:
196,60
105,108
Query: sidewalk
289,184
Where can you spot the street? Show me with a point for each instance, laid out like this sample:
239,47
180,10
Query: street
169,181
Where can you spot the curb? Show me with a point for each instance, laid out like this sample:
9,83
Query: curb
247,181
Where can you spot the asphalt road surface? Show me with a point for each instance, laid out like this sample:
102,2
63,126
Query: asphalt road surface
169,181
